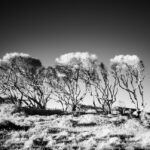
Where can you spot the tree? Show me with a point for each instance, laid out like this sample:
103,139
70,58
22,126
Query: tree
36,89
72,87
24,80
8,82
103,88
129,72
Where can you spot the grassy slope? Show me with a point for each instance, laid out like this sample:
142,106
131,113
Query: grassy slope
87,131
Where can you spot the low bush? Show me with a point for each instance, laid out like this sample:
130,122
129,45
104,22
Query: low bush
35,111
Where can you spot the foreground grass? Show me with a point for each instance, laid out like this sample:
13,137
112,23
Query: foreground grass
66,132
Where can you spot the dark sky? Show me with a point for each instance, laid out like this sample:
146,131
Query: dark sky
47,29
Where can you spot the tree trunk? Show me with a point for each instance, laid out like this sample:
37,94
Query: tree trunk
74,107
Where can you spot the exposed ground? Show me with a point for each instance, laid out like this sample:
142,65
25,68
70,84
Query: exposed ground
67,132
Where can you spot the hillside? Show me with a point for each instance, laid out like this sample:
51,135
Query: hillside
67,132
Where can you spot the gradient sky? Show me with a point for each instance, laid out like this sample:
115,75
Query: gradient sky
48,29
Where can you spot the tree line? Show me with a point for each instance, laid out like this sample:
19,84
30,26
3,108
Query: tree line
26,82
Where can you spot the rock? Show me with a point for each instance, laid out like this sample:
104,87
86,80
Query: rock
87,120
136,114
118,120
114,140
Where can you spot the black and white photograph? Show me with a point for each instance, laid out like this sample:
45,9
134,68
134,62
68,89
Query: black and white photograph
74,75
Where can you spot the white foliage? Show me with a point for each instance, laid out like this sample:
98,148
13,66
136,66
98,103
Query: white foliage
124,63
9,56
77,59
123,60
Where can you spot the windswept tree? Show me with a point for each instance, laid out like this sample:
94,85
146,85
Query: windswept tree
72,86
129,72
36,90
103,88
9,78
25,80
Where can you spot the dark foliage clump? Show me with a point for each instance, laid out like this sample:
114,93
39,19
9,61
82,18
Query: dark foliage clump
35,111
8,125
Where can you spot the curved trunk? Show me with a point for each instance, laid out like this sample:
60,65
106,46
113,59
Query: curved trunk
74,107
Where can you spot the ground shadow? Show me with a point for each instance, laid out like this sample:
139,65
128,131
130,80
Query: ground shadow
8,125
36,111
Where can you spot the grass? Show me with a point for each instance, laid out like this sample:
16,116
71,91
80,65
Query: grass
3,138
67,132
